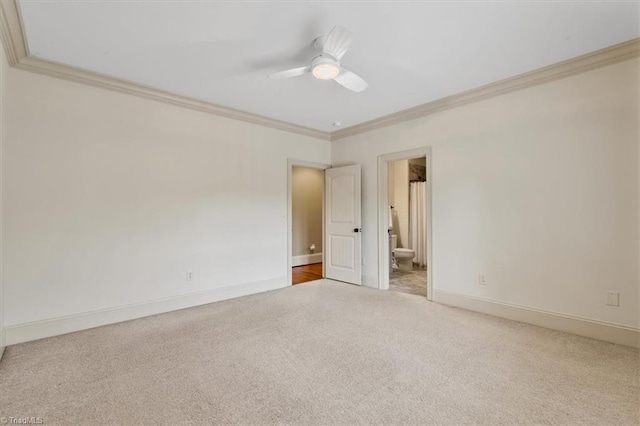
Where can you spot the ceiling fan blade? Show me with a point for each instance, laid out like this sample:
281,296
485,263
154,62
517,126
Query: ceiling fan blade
338,42
295,72
351,81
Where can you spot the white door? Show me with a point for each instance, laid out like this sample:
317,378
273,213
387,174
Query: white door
343,221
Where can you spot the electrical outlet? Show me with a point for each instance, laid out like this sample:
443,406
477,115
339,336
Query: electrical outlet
613,298
482,279
189,275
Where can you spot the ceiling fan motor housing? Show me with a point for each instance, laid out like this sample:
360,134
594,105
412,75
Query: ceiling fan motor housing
318,43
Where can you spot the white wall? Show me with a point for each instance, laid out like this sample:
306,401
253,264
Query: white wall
536,189
307,193
111,199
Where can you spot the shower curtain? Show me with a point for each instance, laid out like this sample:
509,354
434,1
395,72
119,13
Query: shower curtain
418,221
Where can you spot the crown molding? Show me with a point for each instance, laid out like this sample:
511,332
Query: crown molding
16,48
66,72
17,51
600,58
11,33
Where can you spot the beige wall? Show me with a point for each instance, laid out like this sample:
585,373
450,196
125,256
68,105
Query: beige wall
399,199
112,199
536,189
307,198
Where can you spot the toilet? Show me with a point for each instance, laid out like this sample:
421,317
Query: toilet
404,256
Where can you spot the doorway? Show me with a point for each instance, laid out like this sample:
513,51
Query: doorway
306,221
407,226
404,190
340,229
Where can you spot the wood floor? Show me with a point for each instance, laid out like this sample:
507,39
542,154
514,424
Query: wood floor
306,273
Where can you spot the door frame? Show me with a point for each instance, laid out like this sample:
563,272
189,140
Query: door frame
300,163
383,214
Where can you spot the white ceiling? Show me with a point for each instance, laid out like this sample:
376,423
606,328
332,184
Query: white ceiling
409,52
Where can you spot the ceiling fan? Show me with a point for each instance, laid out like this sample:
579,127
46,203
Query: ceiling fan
326,66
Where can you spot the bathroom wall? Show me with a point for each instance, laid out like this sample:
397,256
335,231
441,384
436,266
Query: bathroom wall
399,199
400,173
307,192
418,169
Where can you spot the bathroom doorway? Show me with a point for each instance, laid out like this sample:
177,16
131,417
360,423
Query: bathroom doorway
306,209
405,222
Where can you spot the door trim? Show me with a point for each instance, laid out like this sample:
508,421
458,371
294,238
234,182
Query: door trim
383,215
301,163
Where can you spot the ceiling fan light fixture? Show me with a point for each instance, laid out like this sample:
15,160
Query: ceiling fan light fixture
326,66
325,71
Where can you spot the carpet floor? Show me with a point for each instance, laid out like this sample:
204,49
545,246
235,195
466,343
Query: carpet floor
321,353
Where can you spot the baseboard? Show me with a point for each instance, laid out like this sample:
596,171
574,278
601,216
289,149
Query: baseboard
370,281
20,333
614,333
2,344
306,259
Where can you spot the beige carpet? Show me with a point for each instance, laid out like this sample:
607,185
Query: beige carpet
321,353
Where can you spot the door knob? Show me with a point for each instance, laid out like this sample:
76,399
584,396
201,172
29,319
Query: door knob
357,229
